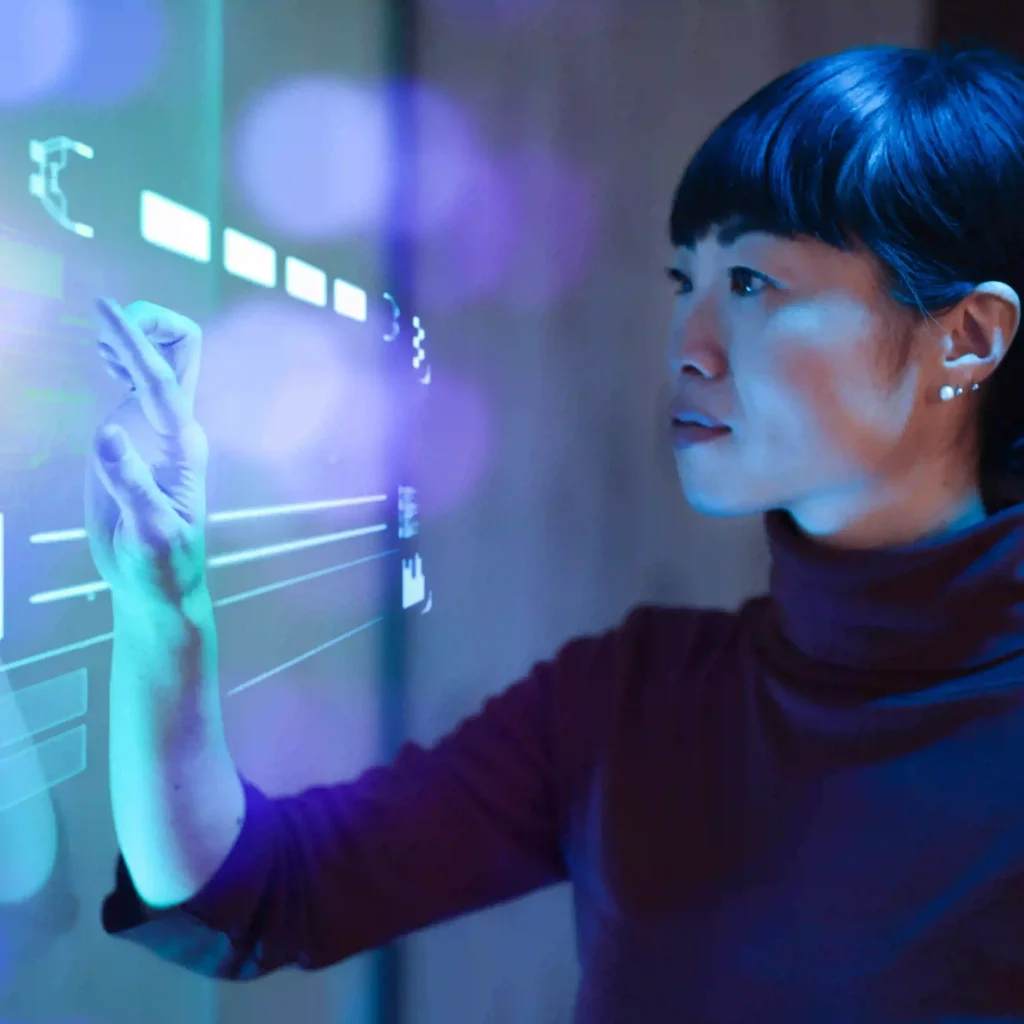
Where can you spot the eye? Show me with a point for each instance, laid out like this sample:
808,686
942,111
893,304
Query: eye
683,283
747,282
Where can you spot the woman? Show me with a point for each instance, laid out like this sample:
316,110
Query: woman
809,810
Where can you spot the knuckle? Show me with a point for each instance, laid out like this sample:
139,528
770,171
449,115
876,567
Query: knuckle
140,308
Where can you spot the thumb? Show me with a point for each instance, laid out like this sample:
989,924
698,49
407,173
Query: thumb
130,482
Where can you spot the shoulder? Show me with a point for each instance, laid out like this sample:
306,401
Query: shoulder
659,641
649,641
643,661
652,631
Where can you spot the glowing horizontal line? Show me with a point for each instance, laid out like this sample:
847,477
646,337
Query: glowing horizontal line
270,587
238,557
81,645
285,510
231,515
303,657
66,593
56,652
57,536
217,562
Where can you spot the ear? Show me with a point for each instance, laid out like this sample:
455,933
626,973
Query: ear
980,332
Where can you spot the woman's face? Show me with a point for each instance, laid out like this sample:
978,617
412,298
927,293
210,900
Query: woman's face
796,348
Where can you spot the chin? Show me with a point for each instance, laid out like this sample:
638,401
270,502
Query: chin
713,505
718,494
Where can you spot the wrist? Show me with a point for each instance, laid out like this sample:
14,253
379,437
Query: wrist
190,613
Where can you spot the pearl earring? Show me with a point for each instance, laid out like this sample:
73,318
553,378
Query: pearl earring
947,392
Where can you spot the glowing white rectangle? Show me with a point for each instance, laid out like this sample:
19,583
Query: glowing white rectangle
249,258
304,281
174,227
349,300
51,762
34,709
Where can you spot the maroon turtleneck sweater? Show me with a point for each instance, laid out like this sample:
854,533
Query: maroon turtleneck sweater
811,810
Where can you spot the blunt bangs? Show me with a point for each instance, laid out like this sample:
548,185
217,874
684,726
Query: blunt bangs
907,153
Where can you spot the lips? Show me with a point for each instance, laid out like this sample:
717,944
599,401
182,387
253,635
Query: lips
690,417
687,435
691,426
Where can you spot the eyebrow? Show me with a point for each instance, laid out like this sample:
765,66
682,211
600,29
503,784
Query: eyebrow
729,233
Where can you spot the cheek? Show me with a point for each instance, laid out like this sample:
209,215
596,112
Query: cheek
820,389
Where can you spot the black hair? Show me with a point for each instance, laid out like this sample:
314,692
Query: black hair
914,155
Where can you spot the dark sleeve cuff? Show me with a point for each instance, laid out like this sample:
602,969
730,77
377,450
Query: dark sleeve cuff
207,934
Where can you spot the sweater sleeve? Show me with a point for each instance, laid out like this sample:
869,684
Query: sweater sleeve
318,877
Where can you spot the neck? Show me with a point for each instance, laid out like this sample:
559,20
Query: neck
900,618
898,513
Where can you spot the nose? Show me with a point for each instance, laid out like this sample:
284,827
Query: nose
696,351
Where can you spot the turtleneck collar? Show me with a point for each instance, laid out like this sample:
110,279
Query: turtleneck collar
945,606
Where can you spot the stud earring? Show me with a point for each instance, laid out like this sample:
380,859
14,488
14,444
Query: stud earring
946,393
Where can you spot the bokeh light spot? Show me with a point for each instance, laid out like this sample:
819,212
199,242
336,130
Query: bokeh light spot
470,261
312,156
450,452
38,42
445,155
272,373
119,51
524,234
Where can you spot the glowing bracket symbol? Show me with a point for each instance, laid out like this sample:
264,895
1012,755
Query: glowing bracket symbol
52,158
396,318
417,359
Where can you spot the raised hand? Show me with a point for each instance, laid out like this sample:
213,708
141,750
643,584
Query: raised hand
146,482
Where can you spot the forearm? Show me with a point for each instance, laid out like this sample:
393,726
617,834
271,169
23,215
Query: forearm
178,802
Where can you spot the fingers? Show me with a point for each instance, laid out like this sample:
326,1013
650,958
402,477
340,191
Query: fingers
176,337
125,345
143,506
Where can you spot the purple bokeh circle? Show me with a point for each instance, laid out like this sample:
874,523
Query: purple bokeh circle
311,158
38,43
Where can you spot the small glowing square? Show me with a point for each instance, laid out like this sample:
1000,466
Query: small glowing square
171,226
349,300
249,258
304,281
